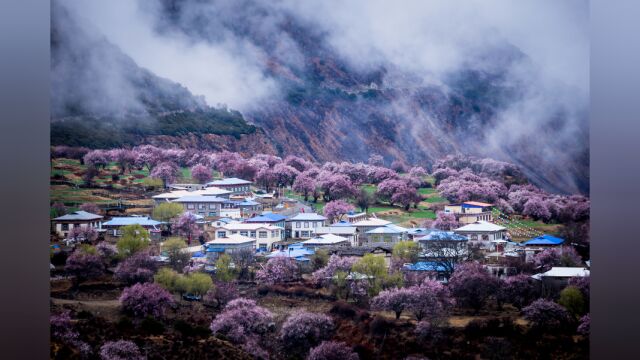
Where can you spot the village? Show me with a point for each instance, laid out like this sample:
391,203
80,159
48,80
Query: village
363,234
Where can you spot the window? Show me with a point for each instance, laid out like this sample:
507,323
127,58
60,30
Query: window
212,213
202,206
305,234
297,224
315,224
212,206
274,233
234,232
306,224
65,227
252,234
474,237
485,237
222,234
191,206
263,247
244,233
262,234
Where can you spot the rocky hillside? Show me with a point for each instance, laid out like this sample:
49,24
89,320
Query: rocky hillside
326,108
100,98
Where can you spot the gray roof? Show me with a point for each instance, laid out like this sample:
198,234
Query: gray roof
132,220
200,198
348,230
228,181
308,217
79,215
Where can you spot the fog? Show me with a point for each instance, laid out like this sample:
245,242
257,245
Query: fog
225,51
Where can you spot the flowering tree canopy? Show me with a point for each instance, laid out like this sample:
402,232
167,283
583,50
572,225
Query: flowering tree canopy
304,329
332,350
139,267
279,269
186,225
445,221
336,263
242,320
376,160
83,265
120,350
83,233
396,300
559,256
90,208
546,315
166,171
334,210
472,285
519,290
146,299
201,173
305,185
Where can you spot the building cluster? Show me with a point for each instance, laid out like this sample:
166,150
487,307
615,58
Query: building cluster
233,216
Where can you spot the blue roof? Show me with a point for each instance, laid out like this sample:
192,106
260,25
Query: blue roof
443,236
132,220
198,254
229,181
215,249
248,203
273,216
544,240
342,223
292,253
425,266
266,219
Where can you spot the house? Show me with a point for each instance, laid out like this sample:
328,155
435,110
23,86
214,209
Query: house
389,233
320,241
234,185
207,206
114,226
249,208
228,245
303,225
63,224
414,233
299,253
426,270
538,244
353,217
482,232
264,234
557,278
445,248
365,225
188,187
269,219
349,232
470,211
173,195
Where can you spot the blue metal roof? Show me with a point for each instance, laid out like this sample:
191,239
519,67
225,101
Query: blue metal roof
443,236
131,220
265,219
291,253
425,266
342,223
544,240
275,217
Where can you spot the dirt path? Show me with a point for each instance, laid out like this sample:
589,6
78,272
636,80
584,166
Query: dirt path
106,308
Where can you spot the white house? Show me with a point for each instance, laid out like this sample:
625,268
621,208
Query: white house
482,232
303,225
229,245
63,224
325,240
349,232
265,235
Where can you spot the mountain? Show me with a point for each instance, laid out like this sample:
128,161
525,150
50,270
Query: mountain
101,98
330,109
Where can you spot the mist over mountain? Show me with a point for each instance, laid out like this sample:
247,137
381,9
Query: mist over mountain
331,80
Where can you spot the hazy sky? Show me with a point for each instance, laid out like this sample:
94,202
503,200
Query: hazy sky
428,38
